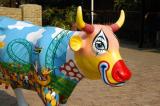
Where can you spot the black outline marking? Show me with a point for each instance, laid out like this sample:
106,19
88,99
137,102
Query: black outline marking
102,38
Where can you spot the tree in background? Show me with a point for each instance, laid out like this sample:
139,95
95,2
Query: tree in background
55,3
130,5
6,3
63,18
60,13
11,3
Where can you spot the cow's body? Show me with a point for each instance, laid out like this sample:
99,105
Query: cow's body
29,46
52,61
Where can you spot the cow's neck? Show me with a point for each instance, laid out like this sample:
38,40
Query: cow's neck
70,68
69,75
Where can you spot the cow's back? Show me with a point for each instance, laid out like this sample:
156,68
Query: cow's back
23,43
20,39
27,44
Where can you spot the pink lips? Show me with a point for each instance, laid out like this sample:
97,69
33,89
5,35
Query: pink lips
120,72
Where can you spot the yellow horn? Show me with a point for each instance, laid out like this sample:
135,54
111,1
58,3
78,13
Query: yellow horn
121,19
116,26
79,18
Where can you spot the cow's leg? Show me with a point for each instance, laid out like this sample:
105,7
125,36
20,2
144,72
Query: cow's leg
20,98
63,104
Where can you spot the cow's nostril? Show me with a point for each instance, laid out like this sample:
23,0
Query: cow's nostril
103,66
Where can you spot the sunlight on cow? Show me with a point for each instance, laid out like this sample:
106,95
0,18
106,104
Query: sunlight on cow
51,60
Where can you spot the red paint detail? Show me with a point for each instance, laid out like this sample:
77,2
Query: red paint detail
73,67
6,87
114,27
120,72
89,28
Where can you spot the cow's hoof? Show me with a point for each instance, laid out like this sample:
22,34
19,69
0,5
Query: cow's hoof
24,104
63,105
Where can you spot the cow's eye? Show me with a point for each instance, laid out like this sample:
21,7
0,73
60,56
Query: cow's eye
100,43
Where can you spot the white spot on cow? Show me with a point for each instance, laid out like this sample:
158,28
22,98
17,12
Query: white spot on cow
75,70
64,72
79,75
71,74
69,54
71,64
19,25
72,78
2,37
53,94
26,77
77,79
68,68
62,66
57,31
34,36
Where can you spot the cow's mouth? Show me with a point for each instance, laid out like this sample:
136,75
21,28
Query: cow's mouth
119,73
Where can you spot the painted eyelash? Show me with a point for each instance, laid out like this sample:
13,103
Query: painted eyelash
100,51
100,39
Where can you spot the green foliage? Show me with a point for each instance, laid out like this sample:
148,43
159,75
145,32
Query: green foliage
4,2
63,18
15,67
127,4
63,86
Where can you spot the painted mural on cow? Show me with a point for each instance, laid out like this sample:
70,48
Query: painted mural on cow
51,60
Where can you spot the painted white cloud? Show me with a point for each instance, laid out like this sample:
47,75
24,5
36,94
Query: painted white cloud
57,31
2,37
34,36
19,25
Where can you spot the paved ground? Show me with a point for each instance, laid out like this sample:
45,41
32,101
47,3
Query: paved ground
142,90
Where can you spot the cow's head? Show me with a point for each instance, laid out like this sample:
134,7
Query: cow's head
96,51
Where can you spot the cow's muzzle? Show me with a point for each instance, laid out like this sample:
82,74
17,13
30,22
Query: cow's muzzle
120,73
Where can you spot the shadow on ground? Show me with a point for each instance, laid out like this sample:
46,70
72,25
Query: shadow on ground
7,100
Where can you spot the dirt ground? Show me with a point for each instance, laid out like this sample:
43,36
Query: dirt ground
142,90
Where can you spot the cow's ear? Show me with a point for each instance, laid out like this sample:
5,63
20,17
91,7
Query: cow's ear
75,43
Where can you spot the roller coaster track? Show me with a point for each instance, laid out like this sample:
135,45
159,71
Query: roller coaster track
12,52
51,51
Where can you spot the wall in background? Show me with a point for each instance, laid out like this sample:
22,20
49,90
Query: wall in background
26,12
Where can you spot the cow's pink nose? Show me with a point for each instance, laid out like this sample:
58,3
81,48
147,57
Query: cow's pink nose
120,72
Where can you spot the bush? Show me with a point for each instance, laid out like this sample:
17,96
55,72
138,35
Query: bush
130,5
63,18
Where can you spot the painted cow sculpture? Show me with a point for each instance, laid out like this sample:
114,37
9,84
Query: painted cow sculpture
51,60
